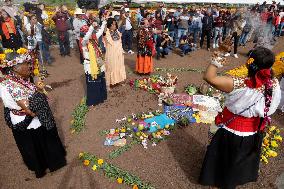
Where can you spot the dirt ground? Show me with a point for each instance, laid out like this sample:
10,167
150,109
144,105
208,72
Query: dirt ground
172,164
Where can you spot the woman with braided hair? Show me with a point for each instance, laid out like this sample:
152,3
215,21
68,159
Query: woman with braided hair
233,156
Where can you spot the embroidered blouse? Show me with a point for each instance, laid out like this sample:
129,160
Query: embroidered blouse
12,91
242,97
145,42
244,106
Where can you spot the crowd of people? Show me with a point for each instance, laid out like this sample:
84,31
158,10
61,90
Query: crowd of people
104,39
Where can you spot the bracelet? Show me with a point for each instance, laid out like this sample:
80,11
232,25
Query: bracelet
216,61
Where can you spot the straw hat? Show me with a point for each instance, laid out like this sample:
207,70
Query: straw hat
172,10
115,13
78,11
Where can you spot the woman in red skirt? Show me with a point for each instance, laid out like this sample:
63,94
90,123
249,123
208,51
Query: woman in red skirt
146,49
233,156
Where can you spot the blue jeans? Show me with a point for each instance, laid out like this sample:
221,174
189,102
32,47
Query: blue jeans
196,33
181,32
44,54
185,48
127,36
243,38
281,26
64,43
163,51
217,34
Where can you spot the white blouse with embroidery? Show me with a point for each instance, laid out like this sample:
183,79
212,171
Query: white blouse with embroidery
242,97
10,103
85,41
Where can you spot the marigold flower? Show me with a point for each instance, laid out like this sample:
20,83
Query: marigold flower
271,153
272,128
8,51
81,154
278,138
265,141
100,161
119,180
22,51
274,144
264,159
94,167
86,162
135,186
2,56
250,61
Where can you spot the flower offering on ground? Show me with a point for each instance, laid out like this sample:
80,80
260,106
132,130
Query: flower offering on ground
272,139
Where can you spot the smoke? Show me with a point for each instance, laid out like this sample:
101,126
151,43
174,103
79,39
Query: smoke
261,32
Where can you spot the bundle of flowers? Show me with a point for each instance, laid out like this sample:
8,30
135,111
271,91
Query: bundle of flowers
270,143
155,83
113,172
139,128
79,117
278,68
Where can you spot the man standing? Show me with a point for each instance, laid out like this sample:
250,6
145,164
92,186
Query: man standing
207,25
182,25
60,19
127,34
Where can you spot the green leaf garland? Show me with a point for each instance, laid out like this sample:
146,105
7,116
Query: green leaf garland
113,172
79,116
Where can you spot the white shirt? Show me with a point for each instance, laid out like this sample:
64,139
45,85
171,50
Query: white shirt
37,30
11,104
128,25
77,24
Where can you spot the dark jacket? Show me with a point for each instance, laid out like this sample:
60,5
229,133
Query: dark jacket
60,20
207,22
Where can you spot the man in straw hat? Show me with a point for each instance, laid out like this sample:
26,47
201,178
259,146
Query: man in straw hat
78,23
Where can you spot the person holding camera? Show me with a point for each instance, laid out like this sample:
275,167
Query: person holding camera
34,31
162,45
60,19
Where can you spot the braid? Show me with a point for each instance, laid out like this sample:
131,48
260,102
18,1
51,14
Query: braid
268,96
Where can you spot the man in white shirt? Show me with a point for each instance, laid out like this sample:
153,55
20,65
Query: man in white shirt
127,34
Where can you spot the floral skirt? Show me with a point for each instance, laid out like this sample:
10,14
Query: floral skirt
231,160
144,64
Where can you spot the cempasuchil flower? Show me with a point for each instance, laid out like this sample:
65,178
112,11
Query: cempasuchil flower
250,61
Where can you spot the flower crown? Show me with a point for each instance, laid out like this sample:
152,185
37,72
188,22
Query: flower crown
11,58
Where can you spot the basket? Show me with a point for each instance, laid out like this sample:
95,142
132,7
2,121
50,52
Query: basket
168,90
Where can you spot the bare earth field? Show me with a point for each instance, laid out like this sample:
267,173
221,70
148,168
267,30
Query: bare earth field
172,164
